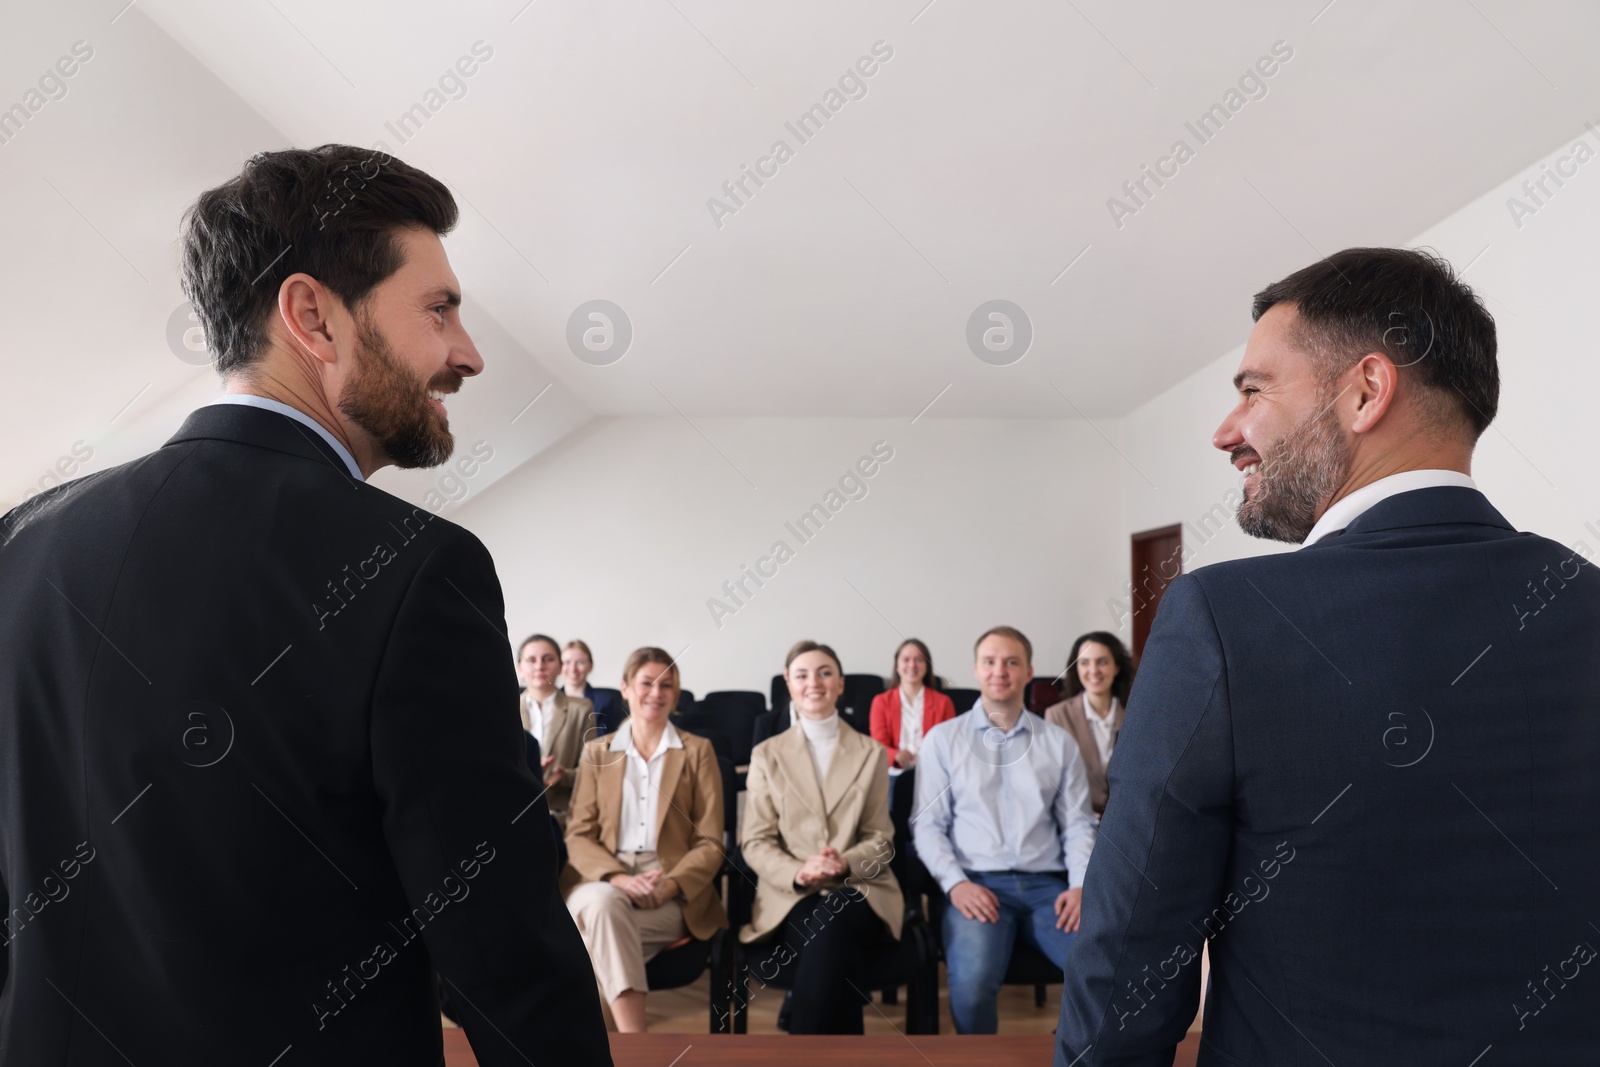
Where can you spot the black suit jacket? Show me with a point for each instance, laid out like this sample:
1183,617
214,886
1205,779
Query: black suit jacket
263,771
1369,772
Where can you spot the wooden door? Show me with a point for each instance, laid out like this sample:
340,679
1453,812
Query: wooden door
1157,560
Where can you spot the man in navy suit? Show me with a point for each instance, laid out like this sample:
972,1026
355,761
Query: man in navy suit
1366,773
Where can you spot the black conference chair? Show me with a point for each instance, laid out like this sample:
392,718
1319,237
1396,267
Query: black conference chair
780,692
856,704
683,964
1042,694
912,961
733,712
963,699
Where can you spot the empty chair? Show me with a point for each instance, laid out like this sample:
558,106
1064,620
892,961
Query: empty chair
733,713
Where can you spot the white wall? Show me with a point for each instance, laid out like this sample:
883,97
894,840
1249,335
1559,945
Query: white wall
622,533
1536,462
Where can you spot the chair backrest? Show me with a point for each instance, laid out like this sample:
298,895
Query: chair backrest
733,712
859,689
1042,693
780,692
963,699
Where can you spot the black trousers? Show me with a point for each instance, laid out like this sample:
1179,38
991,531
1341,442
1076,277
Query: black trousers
820,956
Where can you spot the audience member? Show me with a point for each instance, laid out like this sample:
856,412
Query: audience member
1002,824
559,723
816,832
908,709
576,663
1099,676
645,836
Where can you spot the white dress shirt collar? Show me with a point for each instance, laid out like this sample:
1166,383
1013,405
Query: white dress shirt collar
268,404
1343,512
622,740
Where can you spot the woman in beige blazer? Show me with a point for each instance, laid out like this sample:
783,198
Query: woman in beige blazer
560,723
1099,678
817,833
645,836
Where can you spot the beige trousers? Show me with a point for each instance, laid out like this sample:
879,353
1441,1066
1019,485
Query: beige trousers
620,937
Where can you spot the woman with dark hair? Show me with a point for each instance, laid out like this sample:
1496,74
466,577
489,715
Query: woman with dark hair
817,833
904,714
1099,677
645,834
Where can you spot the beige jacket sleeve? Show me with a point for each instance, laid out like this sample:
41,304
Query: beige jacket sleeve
585,851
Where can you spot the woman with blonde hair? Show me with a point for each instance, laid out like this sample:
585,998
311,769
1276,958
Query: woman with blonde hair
576,663
645,835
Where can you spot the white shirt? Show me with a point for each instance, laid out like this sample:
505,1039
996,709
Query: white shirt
911,721
250,400
1345,511
822,737
1101,728
539,725
641,788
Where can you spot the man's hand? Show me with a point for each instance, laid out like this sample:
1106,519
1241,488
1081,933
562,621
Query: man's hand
1069,907
976,902
905,760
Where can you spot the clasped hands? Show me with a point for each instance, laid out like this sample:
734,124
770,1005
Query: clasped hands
825,866
648,890
976,902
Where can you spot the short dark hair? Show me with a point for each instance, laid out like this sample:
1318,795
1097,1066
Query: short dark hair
1122,684
1406,303
330,212
1006,631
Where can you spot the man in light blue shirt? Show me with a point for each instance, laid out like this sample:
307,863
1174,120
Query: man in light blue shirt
1003,823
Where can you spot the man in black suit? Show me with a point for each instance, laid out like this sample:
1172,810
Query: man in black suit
1366,773
263,768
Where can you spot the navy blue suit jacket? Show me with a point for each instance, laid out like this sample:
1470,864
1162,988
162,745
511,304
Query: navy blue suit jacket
1369,773
609,708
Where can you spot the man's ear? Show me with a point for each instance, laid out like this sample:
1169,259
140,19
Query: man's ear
1372,385
305,308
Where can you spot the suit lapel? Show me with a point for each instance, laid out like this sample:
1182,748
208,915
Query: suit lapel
672,762
559,716
848,756
799,776
1087,748
610,766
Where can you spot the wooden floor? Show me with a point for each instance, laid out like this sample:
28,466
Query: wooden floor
709,1050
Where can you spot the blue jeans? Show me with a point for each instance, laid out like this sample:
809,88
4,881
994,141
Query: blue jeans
977,953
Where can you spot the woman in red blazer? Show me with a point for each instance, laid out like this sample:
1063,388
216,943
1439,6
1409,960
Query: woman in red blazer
892,727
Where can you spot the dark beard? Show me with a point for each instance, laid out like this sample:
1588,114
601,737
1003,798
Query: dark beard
385,400
1307,467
